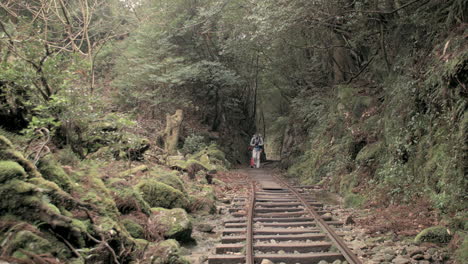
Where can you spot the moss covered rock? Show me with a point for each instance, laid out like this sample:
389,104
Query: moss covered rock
211,158
11,170
171,179
165,252
203,201
133,228
128,199
173,223
52,171
435,234
159,194
31,242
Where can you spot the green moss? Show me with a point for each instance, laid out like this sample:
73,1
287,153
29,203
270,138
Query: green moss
5,143
53,172
435,234
211,158
127,173
159,194
16,156
462,252
30,242
133,228
165,252
203,201
354,200
174,223
128,199
11,170
369,153
171,179
82,226
92,190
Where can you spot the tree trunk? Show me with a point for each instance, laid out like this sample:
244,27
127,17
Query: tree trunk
172,132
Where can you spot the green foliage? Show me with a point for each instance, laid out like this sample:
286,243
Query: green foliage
354,200
462,251
194,143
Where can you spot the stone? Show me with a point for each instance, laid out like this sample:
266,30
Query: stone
327,215
167,251
158,194
207,228
323,262
357,244
400,260
174,223
389,257
414,251
349,220
266,261
418,257
337,261
435,234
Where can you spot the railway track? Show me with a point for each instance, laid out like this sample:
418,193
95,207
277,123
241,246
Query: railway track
277,222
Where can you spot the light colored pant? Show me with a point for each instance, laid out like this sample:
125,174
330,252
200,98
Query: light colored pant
256,157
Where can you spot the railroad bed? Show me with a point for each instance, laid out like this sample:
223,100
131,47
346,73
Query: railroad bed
279,223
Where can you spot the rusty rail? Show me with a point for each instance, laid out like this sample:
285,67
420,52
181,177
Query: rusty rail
249,252
339,243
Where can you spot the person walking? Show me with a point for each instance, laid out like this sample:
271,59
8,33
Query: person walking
256,144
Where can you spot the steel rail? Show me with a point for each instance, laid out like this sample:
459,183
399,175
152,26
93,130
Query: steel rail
339,243
249,252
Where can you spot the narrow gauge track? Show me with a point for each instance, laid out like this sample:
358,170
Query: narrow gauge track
282,225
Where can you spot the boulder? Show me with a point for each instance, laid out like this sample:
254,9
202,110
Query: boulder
164,252
173,223
435,234
159,194
133,228
204,201
11,170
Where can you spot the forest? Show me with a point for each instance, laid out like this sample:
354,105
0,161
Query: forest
115,114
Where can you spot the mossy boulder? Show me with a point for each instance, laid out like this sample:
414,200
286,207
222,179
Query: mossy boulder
171,179
173,223
133,228
435,234
203,201
211,158
52,171
128,199
164,252
5,143
159,194
11,170
30,242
